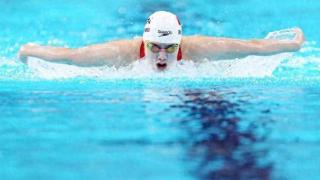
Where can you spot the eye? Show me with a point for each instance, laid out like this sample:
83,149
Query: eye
172,48
155,48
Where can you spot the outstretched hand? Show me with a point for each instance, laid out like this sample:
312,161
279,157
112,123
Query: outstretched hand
299,38
293,37
25,51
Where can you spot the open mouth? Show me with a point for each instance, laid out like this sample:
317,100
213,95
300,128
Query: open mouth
161,66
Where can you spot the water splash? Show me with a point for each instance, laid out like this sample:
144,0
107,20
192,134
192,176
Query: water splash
252,66
304,64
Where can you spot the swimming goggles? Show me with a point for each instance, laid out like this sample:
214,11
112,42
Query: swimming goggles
156,48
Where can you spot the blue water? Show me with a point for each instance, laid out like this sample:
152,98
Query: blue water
253,121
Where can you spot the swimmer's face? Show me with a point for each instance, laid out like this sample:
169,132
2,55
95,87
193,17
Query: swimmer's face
160,55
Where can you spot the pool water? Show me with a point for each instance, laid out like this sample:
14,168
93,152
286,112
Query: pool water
251,118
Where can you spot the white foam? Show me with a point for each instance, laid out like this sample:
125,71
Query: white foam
252,66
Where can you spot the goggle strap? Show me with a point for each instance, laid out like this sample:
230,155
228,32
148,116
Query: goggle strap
142,53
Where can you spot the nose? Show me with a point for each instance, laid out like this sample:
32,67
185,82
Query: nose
162,55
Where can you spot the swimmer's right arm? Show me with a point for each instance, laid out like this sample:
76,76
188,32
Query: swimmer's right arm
114,53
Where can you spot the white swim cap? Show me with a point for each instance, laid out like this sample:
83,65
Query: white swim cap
163,27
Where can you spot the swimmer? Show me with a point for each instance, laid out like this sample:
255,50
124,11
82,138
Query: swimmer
161,45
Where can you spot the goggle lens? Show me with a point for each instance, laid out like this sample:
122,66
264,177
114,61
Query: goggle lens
156,49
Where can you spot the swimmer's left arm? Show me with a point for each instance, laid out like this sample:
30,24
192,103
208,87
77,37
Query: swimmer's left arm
224,48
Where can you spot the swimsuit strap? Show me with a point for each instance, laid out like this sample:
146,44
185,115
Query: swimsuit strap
142,53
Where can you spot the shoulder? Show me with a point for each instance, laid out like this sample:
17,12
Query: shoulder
196,41
195,47
126,43
197,38
132,47
126,49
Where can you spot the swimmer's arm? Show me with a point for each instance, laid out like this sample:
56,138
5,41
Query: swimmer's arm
114,53
225,48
